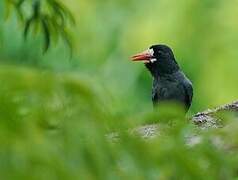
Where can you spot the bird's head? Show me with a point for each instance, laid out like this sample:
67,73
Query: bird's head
159,59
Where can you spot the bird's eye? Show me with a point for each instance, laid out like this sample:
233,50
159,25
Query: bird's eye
160,52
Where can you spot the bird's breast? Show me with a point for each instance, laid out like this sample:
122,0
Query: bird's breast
167,89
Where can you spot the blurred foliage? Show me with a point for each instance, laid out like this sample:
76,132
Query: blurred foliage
49,16
56,113
58,131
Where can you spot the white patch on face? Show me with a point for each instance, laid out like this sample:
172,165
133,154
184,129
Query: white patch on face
153,60
151,51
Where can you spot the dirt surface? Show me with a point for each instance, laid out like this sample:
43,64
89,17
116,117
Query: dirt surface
204,120
209,118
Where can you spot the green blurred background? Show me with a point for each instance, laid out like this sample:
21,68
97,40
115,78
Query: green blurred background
99,80
203,36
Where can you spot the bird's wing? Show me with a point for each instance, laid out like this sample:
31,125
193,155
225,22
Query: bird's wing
188,92
154,93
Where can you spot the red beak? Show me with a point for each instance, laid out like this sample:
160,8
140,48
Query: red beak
144,56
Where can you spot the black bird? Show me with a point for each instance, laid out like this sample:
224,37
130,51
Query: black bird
170,83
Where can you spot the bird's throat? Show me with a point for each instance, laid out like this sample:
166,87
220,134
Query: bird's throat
162,68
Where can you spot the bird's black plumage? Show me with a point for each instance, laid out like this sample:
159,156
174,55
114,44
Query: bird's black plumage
169,82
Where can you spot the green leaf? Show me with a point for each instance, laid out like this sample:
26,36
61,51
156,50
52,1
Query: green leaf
46,33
